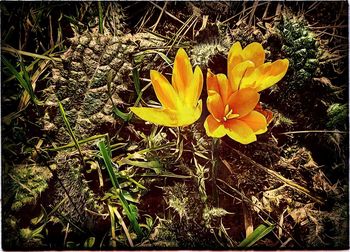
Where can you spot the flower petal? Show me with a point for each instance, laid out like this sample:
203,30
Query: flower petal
160,116
271,74
254,52
224,86
214,128
241,73
182,73
256,121
266,112
188,115
165,92
215,105
212,82
234,56
243,101
240,131
194,89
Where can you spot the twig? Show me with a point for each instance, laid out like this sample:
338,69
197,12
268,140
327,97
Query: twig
122,223
160,16
168,13
312,131
229,19
275,174
246,199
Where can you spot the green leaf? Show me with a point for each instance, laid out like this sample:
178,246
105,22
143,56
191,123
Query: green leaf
257,235
108,162
100,17
136,79
124,116
89,243
69,129
24,82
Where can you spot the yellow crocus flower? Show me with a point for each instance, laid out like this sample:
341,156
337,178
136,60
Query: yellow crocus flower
180,105
246,68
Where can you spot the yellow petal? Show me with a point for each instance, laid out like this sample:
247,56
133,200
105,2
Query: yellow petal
164,90
182,73
159,116
256,121
212,82
271,74
214,128
240,131
225,88
234,56
241,73
255,53
243,101
195,88
189,115
215,105
257,76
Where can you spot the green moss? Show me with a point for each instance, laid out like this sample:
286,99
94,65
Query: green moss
28,182
338,116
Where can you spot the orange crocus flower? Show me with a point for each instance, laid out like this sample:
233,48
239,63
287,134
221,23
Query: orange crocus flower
233,102
180,105
232,113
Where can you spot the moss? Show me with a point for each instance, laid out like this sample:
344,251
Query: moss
338,116
28,182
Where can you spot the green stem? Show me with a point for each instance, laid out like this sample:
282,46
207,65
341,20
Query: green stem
214,169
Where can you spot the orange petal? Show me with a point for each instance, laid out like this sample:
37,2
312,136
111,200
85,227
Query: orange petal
240,131
266,112
243,101
271,74
234,56
254,52
212,82
194,90
214,128
225,88
241,72
159,116
182,73
165,92
215,105
256,121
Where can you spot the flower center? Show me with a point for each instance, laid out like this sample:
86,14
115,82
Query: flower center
229,113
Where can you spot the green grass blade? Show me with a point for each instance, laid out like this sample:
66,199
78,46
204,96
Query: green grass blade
24,83
162,55
108,162
70,145
257,235
33,55
124,116
136,79
69,129
100,17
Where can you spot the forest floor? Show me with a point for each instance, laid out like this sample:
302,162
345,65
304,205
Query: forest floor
80,171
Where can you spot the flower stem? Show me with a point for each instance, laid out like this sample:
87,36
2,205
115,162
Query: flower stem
214,170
